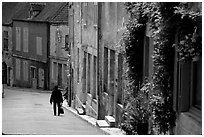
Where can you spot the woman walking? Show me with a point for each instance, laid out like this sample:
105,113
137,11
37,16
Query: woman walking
56,99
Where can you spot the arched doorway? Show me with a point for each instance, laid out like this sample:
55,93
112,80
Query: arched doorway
4,73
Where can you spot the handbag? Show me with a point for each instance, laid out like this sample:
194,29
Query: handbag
61,110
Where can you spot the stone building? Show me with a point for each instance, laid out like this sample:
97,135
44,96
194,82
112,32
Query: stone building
97,64
39,40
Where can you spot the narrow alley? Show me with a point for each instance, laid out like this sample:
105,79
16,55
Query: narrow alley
29,112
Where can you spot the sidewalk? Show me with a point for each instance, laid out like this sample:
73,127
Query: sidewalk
92,121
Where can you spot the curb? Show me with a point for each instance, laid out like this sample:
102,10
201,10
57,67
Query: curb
81,116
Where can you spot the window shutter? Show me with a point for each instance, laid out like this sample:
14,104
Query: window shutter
184,84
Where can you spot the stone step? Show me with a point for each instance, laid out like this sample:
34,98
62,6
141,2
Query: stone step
102,124
80,111
110,120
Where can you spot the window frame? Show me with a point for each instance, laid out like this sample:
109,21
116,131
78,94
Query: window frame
5,38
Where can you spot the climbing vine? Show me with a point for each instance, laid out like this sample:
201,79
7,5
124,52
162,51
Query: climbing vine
166,20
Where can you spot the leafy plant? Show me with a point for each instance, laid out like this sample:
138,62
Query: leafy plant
190,46
137,109
165,20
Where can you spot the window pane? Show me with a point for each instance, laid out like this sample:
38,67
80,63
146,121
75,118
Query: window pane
39,45
5,34
94,77
89,73
54,71
105,72
25,39
5,44
18,65
120,72
18,38
77,64
84,72
25,70
197,87
112,72
66,41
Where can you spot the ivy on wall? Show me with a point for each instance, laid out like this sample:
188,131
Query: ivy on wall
166,19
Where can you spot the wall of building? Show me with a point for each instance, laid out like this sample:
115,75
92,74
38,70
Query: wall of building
112,27
77,57
7,54
30,54
85,48
35,29
85,33
24,75
58,55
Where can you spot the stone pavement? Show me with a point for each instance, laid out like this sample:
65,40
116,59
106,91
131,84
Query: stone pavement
28,112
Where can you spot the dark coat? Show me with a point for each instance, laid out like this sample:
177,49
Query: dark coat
56,96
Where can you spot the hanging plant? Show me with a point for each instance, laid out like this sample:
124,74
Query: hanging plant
190,47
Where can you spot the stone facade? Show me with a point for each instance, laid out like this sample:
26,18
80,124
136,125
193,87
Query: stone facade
58,55
94,22
7,53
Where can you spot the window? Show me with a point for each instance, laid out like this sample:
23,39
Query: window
64,73
78,65
187,84
105,71
18,38
94,77
95,14
59,78
120,73
66,42
58,35
25,70
85,13
25,39
112,72
197,84
89,73
5,39
146,59
84,73
33,72
18,68
41,77
39,45
54,71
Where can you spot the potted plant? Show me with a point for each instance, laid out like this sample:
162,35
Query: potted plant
136,114
143,108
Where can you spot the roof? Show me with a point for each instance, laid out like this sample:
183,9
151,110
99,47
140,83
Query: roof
10,10
51,11
37,6
61,15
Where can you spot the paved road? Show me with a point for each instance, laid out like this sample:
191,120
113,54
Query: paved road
29,113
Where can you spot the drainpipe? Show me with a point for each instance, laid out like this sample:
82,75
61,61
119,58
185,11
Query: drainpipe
48,69
99,61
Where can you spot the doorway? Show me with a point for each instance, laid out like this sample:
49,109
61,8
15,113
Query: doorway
33,77
59,75
4,73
